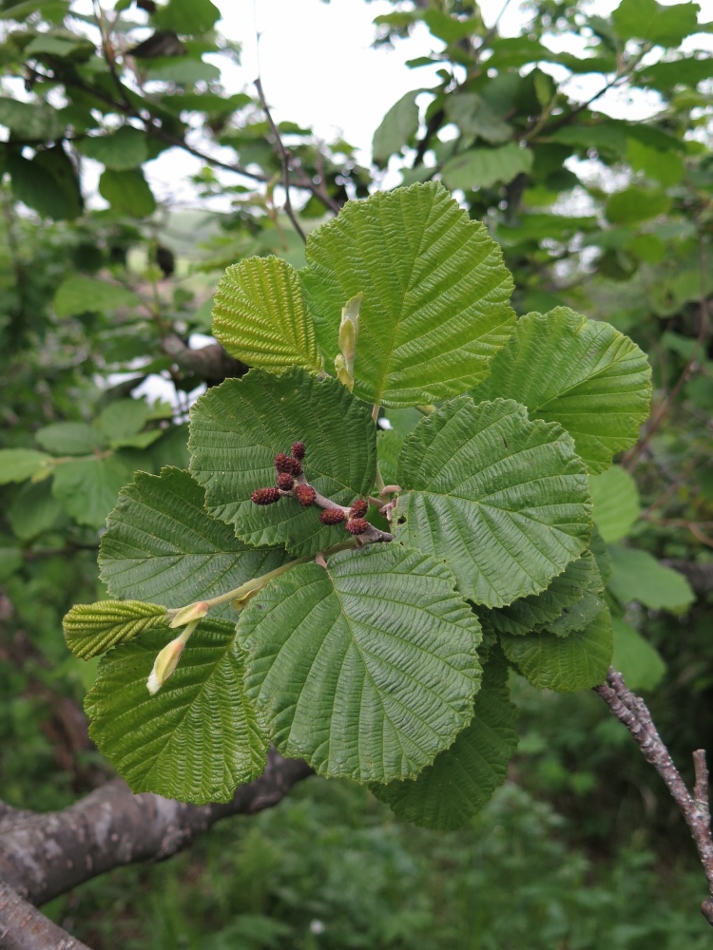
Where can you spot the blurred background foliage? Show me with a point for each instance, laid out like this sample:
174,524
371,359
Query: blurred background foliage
104,308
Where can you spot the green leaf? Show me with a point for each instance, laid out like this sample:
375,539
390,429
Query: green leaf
34,121
635,658
123,419
648,20
10,561
616,502
389,443
259,316
237,428
397,129
56,46
69,438
88,488
502,499
666,167
463,778
367,669
482,167
127,148
77,295
684,72
435,307
636,204
16,465
187,16
47,183
33,510
198,738
19,11
185,71
538,610
578,661
583,611
475,117
162,545
583,374
127,192
637,575
601,554
91,629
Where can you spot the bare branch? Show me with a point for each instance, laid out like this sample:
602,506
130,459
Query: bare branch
633,712
44,855
23,927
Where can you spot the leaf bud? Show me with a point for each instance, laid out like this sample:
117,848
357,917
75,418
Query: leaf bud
190,613
332,516
357,525
305,495
359,508
265,496
167,660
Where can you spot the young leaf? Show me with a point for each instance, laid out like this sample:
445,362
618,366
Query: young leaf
578,661
504,500
259,316
616,502
198,738
18,464
367,669
462,779
538,610
237,428
162,545
91,629
435,307
583,374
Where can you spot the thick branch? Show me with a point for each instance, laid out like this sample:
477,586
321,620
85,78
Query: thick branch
23,927
632,711
44,855
210,362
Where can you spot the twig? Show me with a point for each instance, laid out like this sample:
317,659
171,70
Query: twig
284,157
632,711
23,927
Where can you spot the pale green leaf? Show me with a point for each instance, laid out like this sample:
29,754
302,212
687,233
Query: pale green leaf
123,419
389,443
634,657
162,545
637,575
18,464
70,438
482,167
77,295
87,488
128,192
462,779
91,629
127,148
616,502
567,664
397,129
259,316
187,16
34,510
648,20
435,308
636,204
504,499
475,117
198,738
583,374
367,669
31,120
237,428
538,610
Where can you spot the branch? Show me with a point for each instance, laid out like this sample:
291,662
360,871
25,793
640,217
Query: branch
23,927
210,362
632,711
44,855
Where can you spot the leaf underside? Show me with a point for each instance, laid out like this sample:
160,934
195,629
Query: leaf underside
504,500
366,669
199,737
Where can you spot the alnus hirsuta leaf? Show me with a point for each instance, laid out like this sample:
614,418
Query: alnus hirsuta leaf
581,373
565,664
367,668
162,545
239,427
90,629
504,500
536,611
583,611
198,738
462,778
259,316
435,306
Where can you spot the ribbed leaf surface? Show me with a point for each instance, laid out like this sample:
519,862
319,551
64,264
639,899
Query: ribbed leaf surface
581,373
259,316
90,629
367,669
436,294
538,610
462,779
161,544
578,661
503,499
236,431
195,740
580,614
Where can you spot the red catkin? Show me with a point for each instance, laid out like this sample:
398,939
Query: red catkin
286,464
305,495
359,508
332,516
357,525
265,496
285,481
298,450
